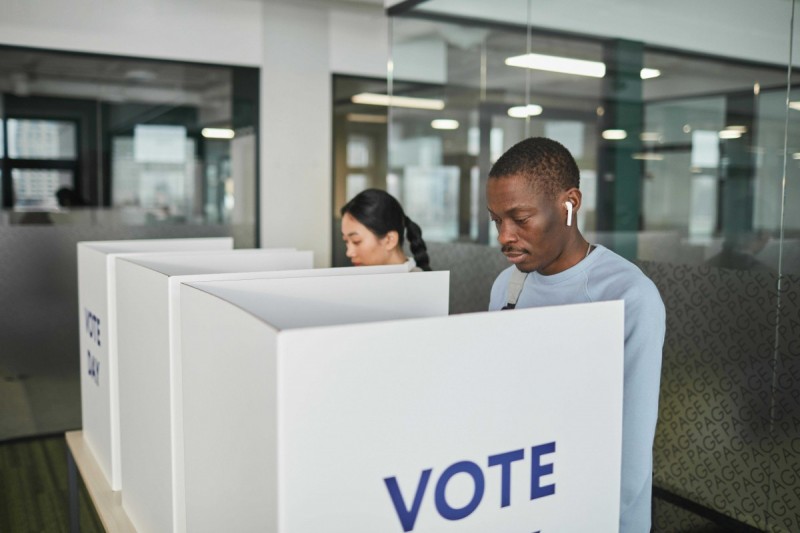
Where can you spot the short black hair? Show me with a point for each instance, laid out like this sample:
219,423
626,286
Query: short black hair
546,164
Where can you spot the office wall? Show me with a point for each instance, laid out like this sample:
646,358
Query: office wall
304,43
359,41
207,31
295,129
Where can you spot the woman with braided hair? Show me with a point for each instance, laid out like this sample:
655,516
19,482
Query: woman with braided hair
374,228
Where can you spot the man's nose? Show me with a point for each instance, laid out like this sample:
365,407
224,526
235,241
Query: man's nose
505,234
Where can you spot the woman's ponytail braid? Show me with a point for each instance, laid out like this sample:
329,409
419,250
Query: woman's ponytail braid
417,245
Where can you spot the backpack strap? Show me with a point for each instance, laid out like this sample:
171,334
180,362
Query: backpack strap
515,285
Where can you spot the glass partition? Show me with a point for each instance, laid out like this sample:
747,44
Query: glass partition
127,141
104,148
689,164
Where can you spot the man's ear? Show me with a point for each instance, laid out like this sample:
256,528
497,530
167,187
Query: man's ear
573,196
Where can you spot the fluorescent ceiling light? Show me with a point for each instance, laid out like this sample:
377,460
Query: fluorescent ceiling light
730,134
649,73
522,111
444,124
564,65
568,65
650,136
795,105
648,156
398,101
796,155
217,133
365,117
614,135
740,129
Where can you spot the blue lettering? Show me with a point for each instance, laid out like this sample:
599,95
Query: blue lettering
451,513
505,460
94,367
93,326
538,470
407,516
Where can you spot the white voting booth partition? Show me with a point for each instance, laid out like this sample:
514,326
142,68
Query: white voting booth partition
315,407
151,360
97,325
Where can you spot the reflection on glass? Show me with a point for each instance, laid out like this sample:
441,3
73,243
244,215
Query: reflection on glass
677,157
153,182
38,188
159,144
430,197
359,146
769,190
145,142
359,151
355,184
41,139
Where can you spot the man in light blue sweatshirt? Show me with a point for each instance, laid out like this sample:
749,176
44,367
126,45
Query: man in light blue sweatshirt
533,197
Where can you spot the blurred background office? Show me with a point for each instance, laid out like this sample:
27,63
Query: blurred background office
260,118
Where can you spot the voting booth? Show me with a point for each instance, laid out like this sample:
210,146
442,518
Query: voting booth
97,325
355,405
149,304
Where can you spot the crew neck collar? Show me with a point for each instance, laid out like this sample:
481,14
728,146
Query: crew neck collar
574,270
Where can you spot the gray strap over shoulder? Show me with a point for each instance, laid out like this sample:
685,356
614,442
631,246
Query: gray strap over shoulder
515,284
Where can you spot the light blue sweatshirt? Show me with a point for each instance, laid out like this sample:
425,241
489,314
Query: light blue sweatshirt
603,276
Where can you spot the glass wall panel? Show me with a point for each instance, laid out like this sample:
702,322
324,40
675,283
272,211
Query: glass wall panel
104,148
680,133
359,146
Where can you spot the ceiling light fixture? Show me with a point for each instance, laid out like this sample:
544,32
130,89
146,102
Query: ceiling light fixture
649,73
444,124
563,65
366,118
647,156
523,111
730,134
650,136
217,133
614,135
568,65
398,101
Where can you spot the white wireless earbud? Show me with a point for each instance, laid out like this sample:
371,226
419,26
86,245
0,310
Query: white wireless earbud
569,213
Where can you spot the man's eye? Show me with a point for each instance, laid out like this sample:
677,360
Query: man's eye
521,221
